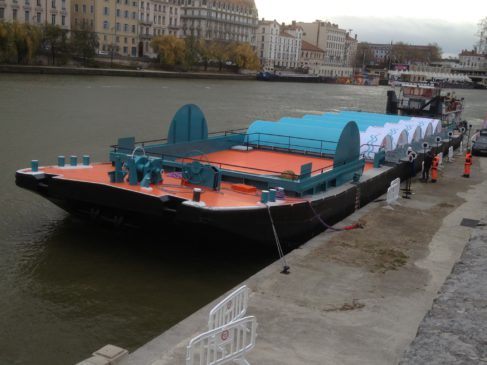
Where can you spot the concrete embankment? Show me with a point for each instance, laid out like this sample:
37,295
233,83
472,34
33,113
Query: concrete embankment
52,70
354,296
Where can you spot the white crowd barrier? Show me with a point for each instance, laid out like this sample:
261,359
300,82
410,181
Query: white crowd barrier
224,344
450,153
393,191
233,307
230,335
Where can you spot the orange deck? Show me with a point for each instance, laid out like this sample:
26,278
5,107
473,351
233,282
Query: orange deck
270,161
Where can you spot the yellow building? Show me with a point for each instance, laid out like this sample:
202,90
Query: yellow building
115,22
126,27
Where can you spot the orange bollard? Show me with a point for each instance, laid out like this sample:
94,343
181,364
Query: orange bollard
468,164
434,169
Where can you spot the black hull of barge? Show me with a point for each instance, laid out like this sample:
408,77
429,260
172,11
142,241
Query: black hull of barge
295,224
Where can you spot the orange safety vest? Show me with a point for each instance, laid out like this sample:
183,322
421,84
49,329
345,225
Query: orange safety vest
468,164
434,169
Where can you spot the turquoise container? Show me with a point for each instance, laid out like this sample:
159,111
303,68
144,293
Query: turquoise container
34,165
264,198
73,160
86,160
61,161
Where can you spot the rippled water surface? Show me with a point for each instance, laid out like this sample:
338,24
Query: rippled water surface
68,287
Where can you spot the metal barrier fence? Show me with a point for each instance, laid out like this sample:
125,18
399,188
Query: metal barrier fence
393,191
223,344
231,308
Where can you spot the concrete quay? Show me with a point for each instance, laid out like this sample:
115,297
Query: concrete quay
85,71
356,296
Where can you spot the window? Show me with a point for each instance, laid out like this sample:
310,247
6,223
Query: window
63,4
38,17
117,39
53,4
118,12
125,40
14,14
125,28
105,11
92,9
105,24
38,2
118,28
76,8
133,28
63,20
27,16
53,19
2,13
134,15
84,9
126,14
125,49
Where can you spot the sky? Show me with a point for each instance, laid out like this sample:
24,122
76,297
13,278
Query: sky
451,24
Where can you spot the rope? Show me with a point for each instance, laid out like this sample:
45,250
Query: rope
285,267
327,226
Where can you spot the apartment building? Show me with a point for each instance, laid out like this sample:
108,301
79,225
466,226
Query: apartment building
329,37
126,27
39,12
278,45
223,20
311,56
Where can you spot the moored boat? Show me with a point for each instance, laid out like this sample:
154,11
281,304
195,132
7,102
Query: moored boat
291,178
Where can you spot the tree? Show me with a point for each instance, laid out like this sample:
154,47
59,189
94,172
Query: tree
24,40
204,52
170,50
219,51
55,42
364,55
84,44
243,55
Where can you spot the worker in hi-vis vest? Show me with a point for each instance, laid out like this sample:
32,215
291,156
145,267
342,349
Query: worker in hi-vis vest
434,169
468,163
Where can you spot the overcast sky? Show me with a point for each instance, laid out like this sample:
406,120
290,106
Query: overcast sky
450,24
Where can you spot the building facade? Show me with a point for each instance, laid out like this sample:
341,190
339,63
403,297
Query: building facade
278,45
37,12
329,37
126,27
221,20
311,56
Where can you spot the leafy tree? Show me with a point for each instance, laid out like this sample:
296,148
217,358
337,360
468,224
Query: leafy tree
243,55
219,51
55,42
192,51
170,50
24,40
204,52
84,44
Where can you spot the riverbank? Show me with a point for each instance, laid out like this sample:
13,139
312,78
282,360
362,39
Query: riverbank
82,71
353,296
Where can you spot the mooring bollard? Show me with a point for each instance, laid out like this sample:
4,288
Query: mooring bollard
196,195
272,195
264,198
61,161
34,165
73,161
86,160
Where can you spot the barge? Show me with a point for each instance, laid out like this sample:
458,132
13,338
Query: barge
287,180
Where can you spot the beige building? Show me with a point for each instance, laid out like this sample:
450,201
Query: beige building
40,12
329,37
311,56
126,27
225,20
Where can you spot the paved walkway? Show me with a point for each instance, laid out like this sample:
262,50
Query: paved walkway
355,297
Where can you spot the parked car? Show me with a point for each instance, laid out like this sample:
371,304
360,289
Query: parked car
479,146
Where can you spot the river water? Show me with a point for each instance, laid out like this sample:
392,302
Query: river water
68,287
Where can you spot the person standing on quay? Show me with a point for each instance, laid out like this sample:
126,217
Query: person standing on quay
428,161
